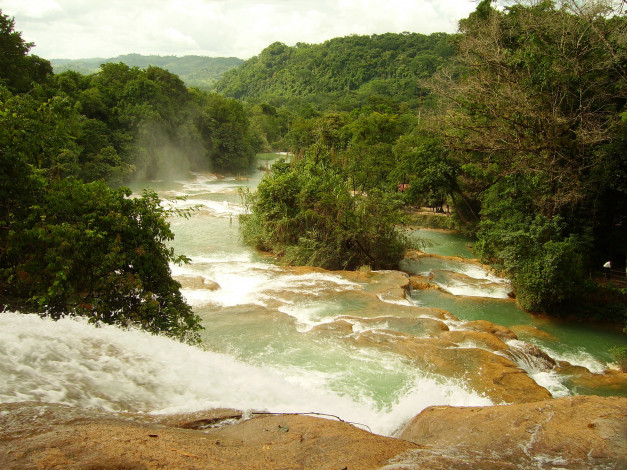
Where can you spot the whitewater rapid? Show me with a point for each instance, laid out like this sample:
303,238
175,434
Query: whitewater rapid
72,362
265,346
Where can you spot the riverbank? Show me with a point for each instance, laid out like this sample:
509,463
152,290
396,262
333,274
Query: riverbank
571,433
601,299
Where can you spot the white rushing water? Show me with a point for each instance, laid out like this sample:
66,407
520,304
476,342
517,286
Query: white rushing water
72,362
265,347
460,278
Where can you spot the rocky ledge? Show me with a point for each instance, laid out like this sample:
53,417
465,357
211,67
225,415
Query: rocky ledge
575,432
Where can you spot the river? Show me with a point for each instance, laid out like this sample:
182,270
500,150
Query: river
286,339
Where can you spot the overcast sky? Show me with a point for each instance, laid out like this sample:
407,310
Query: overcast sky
74,29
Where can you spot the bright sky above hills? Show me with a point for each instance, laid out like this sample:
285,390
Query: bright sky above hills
74,29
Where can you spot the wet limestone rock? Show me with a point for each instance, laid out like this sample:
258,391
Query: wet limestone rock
569,433
609,381
197,282
537,359
488,373
479,339
574,432
530,330
337,327
422,283
416,326
82,439
499,331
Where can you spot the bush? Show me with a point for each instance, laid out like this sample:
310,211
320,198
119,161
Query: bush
305,214
546,263
552,274
619,353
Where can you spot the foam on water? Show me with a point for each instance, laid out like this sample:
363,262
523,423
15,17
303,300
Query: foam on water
477,289
73,362
309,313
460,278
475,281
216,208
577,357
209,183
244,281
395,300
552,381
538,368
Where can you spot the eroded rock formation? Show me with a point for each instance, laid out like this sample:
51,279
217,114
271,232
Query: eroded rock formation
575,432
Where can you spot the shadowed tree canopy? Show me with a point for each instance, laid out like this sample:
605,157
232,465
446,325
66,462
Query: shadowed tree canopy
534,110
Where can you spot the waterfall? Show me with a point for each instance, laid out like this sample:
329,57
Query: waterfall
72,362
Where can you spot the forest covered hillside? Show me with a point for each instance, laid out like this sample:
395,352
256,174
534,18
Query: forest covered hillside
517,123
195,71
341,68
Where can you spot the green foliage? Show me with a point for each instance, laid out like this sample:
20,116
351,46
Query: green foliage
619,354
195,71
19,70
67,247
146,124
43,134
531,114
226,130
306,214
89,250
546,263
384,67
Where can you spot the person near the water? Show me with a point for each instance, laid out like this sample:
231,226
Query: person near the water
607,267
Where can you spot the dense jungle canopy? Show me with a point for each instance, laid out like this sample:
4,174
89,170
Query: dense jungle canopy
517,123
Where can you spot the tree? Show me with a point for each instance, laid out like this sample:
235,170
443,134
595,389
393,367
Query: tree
306,215
546,261
341,73
225,128
88,250
533,107
534,91
19,70
67,247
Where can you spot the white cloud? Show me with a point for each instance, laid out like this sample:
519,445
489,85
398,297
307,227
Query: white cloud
241,28
34,9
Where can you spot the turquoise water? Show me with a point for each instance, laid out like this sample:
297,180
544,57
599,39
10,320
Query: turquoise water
265,315
444,243
284,339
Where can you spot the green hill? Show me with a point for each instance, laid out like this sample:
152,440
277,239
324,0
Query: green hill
388,64
195,71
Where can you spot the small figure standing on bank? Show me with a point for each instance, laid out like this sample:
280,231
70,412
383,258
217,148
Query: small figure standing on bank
607,267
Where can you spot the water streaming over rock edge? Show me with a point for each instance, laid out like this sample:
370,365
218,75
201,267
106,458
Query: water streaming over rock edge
72,362
276,338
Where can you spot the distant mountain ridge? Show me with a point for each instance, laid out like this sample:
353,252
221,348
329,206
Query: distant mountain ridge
195,71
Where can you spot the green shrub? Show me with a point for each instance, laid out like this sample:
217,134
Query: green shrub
89,250
306,215
619,353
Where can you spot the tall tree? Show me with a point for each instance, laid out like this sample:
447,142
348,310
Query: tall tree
18,69
535,106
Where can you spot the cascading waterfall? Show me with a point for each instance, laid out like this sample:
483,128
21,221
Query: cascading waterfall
72,362
276,339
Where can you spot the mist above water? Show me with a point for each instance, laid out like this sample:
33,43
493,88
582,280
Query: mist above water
169,155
